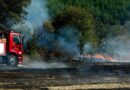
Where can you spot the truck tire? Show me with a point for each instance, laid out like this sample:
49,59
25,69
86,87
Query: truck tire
12,61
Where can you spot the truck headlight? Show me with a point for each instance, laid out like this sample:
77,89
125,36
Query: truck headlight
20,52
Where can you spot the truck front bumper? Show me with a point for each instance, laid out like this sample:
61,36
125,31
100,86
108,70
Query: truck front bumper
20,59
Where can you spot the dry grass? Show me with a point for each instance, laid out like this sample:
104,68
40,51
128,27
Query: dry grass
92,86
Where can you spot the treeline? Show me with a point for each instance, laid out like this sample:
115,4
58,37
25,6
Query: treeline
107,12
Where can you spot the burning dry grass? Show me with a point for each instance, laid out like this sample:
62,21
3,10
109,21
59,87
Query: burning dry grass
99,57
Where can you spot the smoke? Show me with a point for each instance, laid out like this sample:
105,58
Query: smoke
87,48
37,63
119,46
116,44
68,40
37,14
45,65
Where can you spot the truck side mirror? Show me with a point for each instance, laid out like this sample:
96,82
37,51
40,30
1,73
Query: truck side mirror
23,39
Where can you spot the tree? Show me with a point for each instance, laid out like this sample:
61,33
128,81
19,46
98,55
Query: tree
12,11
80,19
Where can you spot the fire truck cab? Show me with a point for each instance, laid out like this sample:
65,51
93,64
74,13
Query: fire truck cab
10,48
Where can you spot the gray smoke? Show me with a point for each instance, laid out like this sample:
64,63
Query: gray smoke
66,40
87,48
36,15
45,65
37,12
119,46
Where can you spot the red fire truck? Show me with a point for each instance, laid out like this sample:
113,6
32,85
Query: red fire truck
10,48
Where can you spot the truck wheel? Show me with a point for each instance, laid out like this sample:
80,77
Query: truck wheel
12,61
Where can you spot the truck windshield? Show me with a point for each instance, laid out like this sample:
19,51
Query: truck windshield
2,35
16,39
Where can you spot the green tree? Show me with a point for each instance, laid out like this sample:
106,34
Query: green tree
80,19
12,11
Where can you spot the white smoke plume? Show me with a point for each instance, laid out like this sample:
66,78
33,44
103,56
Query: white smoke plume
37,14
119,47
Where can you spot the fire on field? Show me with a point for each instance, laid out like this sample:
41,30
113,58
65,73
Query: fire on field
95,58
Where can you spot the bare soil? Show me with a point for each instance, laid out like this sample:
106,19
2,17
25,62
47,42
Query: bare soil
91,76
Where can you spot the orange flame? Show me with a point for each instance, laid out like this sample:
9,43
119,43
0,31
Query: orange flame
98,56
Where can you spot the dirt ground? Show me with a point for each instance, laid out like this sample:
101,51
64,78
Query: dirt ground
90,77
111,86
